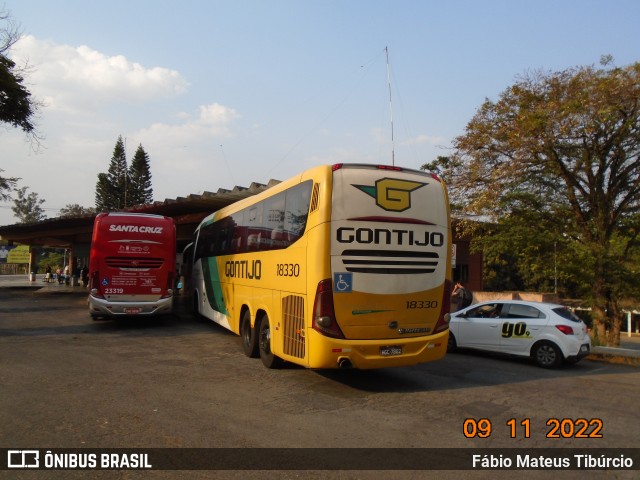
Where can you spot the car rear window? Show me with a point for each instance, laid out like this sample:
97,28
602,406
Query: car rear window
564,312
524,311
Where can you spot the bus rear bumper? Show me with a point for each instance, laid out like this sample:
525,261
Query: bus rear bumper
99,307
369,354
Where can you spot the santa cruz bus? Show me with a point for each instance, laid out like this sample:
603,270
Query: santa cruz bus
131,265
341,266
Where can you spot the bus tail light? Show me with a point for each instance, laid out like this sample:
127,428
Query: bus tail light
324,317
445,316
95,285
168,292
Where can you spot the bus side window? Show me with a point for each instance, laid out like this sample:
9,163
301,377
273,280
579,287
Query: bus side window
254,228
238,242
215,240
274,228
205,242
297,210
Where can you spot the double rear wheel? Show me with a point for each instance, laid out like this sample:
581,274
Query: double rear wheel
256,342
269,359
248,335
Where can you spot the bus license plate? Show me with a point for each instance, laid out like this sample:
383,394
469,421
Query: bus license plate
133,310
390,351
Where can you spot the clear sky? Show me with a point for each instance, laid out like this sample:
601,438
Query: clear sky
225,93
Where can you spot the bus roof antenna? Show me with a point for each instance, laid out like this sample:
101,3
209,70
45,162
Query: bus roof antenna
393,154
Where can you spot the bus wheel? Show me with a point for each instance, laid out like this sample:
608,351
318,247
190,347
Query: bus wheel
268,358
451,343
249,337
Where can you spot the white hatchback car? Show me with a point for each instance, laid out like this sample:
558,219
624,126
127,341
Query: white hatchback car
546,332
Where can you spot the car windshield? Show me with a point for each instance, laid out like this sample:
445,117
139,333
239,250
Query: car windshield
564,312
484,311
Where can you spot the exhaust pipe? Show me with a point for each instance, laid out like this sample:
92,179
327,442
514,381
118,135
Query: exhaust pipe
344,362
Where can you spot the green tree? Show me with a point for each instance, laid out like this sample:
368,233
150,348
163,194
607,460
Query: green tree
111,188
28,208
445,168
6,186
140,189
74,210
17,107
104,194
564,148
118,174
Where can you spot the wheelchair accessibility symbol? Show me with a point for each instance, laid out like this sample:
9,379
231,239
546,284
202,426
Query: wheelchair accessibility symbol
342,282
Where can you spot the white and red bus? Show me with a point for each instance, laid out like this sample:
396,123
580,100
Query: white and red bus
132,265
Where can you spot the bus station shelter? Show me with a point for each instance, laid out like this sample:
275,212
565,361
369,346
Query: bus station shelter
74,233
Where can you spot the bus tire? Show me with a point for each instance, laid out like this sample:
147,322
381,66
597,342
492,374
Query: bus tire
249,337
452,345
269,359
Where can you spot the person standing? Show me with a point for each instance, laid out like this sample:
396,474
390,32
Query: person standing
462,296
85,276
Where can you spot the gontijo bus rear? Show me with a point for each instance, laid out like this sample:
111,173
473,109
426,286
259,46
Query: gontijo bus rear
344,265
132,265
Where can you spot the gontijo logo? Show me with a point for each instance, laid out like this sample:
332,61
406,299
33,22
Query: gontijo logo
391,194
135,229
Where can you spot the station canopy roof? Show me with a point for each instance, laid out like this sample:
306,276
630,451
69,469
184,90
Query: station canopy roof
187,213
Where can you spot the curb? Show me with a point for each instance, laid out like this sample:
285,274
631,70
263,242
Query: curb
37,289
624,356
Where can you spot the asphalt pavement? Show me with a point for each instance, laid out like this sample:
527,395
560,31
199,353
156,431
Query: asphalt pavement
628,352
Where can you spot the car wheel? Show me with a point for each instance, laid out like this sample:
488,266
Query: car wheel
249,337
451,343
269,359
547,355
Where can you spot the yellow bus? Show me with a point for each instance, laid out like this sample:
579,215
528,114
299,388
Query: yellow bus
345,265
